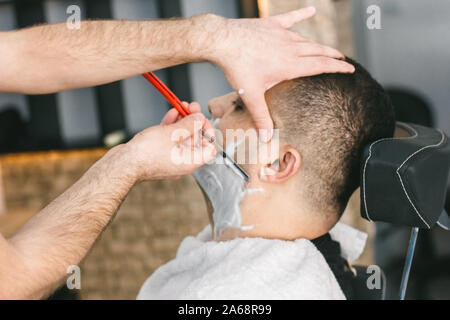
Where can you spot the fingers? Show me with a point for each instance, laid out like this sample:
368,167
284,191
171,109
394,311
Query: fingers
194,107
207,126
191,123
190,138
295,36
170,117
307,47
315,49
257,106
208,152
312,66
287,20
173,115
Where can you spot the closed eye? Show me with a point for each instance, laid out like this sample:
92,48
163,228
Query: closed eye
238,108
238,104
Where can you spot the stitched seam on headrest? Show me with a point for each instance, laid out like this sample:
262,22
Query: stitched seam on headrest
442,226
401,180
370,155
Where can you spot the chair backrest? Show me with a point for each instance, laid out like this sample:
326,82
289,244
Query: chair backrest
404,179
404,182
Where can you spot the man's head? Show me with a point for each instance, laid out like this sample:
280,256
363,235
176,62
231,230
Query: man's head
324,123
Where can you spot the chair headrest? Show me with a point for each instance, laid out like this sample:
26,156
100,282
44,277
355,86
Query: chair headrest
404,179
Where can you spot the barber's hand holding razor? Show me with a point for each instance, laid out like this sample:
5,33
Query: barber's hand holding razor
172,149
257,54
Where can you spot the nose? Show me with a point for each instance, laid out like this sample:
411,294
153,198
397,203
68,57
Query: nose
215,108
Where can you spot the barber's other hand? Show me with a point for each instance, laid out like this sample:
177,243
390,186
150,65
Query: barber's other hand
257,54
172,149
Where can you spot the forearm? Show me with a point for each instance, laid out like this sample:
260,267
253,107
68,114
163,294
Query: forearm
54,58
35,260
63,232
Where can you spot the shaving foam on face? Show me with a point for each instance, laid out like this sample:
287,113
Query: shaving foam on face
215,122
225,188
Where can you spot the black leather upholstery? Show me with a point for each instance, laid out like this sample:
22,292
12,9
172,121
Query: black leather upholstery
404,180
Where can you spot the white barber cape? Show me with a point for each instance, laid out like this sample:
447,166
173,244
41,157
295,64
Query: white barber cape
251,268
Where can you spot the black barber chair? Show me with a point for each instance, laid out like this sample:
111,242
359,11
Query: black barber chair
404,182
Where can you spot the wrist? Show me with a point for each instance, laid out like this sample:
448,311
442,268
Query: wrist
207,36
140,163
118,167
126,165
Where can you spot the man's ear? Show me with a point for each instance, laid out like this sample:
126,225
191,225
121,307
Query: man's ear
283,168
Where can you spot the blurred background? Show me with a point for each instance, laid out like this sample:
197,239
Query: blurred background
48,141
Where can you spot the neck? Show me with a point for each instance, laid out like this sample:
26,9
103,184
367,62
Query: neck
273,216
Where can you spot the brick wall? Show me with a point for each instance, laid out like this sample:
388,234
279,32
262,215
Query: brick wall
145,234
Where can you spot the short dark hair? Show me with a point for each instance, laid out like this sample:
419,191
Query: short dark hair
330,118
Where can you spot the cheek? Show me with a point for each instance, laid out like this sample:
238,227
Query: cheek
221,130
225,122
220,135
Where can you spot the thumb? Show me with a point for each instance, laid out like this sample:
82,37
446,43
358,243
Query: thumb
257,106
287,20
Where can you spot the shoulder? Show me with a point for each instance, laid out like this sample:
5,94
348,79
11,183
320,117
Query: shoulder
247,268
